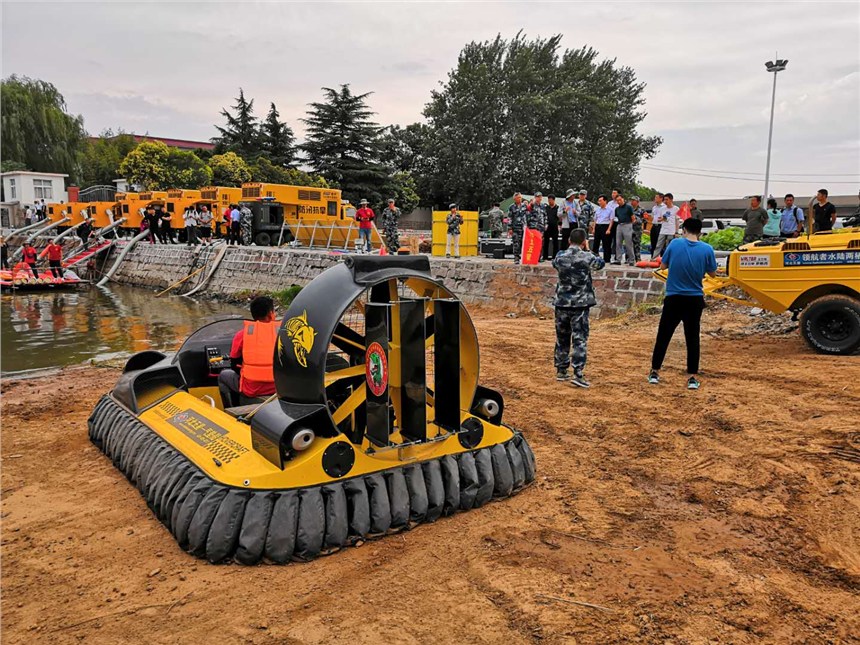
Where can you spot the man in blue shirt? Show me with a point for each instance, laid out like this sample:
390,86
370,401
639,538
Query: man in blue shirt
791,221
688,260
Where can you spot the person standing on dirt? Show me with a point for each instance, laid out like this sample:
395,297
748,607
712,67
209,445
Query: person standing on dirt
365,216
755,217
251,372
54,252
574,298
823,212
791,221
688,261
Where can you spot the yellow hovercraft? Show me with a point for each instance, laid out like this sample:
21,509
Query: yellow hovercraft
378,423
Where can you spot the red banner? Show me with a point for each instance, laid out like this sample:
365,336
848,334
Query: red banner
532,242
684,212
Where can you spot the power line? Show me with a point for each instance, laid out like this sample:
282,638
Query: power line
744,172
777,181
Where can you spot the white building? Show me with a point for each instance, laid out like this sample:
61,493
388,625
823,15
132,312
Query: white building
26,187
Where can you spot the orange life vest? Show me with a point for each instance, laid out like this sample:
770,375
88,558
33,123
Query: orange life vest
258,352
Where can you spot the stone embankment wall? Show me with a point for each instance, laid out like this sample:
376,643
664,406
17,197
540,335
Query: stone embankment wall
497,283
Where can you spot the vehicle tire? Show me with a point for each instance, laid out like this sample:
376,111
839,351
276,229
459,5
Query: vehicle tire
263,239
831,324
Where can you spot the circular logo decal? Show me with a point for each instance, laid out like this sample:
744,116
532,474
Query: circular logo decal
376,369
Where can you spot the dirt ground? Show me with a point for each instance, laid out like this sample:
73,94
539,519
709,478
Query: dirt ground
726,515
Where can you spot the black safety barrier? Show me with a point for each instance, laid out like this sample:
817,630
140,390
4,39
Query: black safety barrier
223,524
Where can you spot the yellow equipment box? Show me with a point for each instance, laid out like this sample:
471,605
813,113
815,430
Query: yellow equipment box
468,233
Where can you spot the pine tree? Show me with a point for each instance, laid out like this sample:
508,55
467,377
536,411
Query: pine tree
343,145
277,141
241,134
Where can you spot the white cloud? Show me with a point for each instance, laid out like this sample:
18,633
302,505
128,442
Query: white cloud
170,67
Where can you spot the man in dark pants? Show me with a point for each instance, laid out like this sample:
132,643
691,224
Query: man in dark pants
550,236
656,211
603,228
688,260
574,297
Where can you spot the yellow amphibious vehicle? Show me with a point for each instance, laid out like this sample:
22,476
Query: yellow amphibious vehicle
816,277
379,423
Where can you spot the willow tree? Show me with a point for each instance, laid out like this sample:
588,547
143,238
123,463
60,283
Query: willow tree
38,132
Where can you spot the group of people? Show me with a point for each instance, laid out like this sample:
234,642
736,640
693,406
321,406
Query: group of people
688,261
615,224
36,212
199,224
788,221
30,257
389,222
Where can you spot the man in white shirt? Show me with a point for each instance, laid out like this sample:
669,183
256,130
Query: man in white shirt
668,224
656,213
603,229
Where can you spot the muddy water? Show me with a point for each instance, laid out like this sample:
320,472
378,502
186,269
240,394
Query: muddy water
55,329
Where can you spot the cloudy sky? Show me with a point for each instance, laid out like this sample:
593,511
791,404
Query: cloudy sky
168,68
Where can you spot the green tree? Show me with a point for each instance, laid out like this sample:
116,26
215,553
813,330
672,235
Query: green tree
403,189
241,132
264,171
229,169
645,193
277,141
520,115
343,144
101,158
156,167
37,131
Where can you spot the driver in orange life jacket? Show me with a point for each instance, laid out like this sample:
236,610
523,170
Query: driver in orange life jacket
252,356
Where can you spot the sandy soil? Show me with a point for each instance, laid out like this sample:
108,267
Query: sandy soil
722,515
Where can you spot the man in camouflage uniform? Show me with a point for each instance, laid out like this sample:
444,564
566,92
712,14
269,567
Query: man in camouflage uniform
389,219
638,219
536,217
585,212
495,221
517,213
574,297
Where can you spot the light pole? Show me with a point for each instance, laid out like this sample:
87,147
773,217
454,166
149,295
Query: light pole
775,68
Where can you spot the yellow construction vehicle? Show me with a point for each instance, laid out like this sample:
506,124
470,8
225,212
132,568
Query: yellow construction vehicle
312,216
378,422
815,277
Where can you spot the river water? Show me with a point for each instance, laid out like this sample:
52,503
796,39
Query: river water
55,329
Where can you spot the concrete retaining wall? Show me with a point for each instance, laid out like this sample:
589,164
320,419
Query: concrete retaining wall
496,283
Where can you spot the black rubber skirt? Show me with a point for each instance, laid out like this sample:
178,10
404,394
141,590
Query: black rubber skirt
223,524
